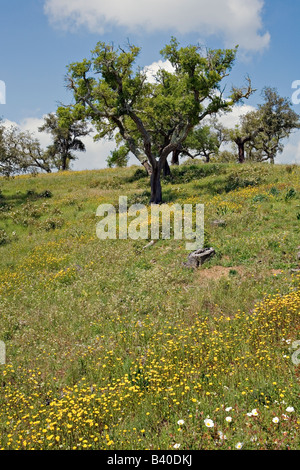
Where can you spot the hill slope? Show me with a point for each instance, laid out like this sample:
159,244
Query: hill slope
110,345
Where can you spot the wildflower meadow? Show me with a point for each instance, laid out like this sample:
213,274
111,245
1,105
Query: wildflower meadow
111,345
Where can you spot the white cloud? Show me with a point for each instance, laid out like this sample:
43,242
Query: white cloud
232,118
151,70
31,125
2,92
291,151
95,155
236,21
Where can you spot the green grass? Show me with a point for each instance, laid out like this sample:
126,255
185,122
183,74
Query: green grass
109,345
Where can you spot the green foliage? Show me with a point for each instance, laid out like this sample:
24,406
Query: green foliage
291,194
142,198
243,179
20,152
277,120
138,174
46,194
260,198
191,172
274,191
32,194
204,142
262,132
4,238
65,127
226,157
118,157
152,119
51,223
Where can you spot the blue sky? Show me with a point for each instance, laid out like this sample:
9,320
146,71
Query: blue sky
39,38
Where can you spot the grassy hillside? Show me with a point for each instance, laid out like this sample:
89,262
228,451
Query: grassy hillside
110,345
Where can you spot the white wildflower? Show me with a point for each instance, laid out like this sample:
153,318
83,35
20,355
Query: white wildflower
290,409
209,423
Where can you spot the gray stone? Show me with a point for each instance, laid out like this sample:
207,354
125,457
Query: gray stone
219,223
198,257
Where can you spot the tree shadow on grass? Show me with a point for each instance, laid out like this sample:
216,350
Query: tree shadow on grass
18,199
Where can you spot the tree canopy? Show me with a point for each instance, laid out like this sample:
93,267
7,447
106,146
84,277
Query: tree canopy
174,114
278,121
65,127
21,152
152,119
261,133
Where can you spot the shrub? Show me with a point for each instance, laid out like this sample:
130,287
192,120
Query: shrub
138,174
244,178
274,191
4,238
4,207
31,193
260,198
46,194
51,224
187,173
290,194
112,183
142,198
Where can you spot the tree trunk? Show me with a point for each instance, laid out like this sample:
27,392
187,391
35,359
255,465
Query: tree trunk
207,158
156,194
166,169
175,157
148,168
241,147
64,162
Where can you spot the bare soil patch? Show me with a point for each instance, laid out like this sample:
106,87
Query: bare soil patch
217,272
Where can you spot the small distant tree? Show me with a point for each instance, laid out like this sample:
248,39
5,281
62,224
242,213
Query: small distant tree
6,165
20,152
118,157
65,127
245,132
204,142
261,133
278,121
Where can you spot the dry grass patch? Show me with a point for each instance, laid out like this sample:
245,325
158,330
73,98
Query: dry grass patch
215,273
